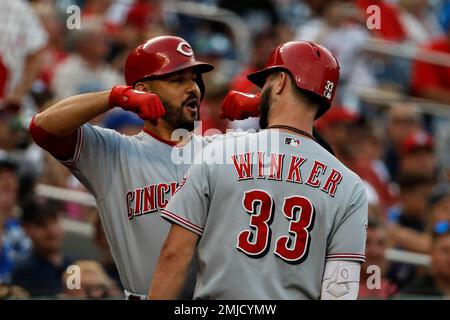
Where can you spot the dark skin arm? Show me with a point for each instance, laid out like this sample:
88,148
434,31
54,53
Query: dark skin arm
176,255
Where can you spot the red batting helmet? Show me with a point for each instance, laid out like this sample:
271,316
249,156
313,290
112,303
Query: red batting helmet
160,56
313,67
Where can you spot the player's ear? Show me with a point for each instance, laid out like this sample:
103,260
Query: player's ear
280,82
142,86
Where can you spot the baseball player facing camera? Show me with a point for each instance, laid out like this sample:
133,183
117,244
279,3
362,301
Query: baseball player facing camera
132,178
282,220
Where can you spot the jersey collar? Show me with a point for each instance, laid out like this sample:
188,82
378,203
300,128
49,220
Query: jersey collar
168,142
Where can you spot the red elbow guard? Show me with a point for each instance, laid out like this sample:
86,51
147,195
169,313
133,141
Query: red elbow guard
62,148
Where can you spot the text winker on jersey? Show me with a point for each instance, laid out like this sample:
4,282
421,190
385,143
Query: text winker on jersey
244,164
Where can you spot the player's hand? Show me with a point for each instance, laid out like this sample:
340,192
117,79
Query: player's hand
239,105
146,105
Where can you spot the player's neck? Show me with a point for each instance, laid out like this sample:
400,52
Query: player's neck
161,129
294,122
288,113
163,132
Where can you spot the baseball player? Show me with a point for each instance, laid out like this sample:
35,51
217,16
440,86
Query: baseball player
132,178
278,220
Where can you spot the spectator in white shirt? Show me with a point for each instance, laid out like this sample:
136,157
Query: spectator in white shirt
85,69
22,44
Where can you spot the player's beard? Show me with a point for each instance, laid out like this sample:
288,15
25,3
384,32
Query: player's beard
266,101
176,117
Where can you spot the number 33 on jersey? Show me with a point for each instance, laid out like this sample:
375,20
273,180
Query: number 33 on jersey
292,248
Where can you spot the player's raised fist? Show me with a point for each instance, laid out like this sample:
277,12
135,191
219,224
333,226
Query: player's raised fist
146,105
239,105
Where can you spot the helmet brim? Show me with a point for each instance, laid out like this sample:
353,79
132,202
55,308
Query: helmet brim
199,66
259,77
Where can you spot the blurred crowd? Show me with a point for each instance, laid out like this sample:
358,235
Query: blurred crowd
390,123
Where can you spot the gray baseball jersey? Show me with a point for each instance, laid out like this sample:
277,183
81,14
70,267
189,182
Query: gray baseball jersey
132,179
270,218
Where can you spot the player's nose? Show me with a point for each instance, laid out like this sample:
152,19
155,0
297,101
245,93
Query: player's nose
193,88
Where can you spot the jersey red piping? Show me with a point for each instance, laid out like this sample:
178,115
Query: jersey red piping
346,254
171,216
168,142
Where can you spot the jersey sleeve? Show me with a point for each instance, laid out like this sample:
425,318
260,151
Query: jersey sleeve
348,237
94,159
189,206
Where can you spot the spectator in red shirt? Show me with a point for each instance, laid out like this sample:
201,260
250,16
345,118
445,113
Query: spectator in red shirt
210,110
408,20
391,26
418,155
429,80
262,46
144,12
336,128
144,20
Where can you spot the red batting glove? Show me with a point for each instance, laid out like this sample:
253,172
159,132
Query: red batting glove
239,106
146,105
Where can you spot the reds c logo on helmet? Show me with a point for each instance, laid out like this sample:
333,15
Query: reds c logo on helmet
313,67
185,48
160,56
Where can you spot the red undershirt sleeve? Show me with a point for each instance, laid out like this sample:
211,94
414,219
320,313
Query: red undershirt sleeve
62,148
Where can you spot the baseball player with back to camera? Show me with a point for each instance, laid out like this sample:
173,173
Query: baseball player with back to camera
286,222
132,178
